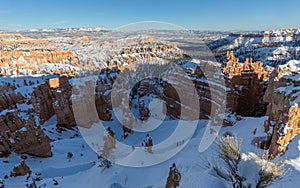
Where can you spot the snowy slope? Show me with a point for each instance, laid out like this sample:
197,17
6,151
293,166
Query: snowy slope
82,170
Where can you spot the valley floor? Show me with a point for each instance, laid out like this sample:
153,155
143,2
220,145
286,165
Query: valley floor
82,169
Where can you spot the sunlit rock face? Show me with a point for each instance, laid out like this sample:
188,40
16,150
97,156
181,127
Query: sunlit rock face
283,96
271,47
247,82
241,84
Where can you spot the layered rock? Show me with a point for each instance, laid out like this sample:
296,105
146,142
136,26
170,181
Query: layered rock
54,98
283,96
26,56
139,50
241,86
22,62
22,136
83,103
8,98
62,103
247,83
42,98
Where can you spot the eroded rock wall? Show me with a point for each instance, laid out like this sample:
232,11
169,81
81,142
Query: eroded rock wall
283,96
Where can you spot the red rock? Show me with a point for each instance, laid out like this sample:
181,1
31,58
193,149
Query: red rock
8,98
54,98
20,170
22,137
284,111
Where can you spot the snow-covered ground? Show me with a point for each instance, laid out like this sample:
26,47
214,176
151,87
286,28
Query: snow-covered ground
25,84
82,169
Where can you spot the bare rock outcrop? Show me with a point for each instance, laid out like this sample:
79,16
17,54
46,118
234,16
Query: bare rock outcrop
83,103
247,83
41,100
174,177
54,98
242,89
8,98
22,136
22,61
20,170
283,96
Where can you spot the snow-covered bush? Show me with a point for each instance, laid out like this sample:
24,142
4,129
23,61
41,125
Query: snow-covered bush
241,170
230,156
270,172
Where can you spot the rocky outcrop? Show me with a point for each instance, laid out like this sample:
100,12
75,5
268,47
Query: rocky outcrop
283,96
247,83
8,98
234,68
62,103
22,62
272,47
26,56
20,170
174,177
41,99
54,98
22,136
241,86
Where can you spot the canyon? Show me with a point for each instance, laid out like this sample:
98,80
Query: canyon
243,85
42,79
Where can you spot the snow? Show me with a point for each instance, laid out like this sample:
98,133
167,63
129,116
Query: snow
3,112
56,67
296,161
247,165
83,170
25,84
293,66
134,167
24,106
23,129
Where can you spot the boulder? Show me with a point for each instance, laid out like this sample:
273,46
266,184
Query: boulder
21,170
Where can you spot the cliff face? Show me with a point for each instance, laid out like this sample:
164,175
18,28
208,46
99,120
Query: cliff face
26,56
19,132
22,136
242,86
41,99
140,50
54,98
8,98
247,82
272,47
283,96
21,62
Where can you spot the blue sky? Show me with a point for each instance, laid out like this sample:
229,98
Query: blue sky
190,14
